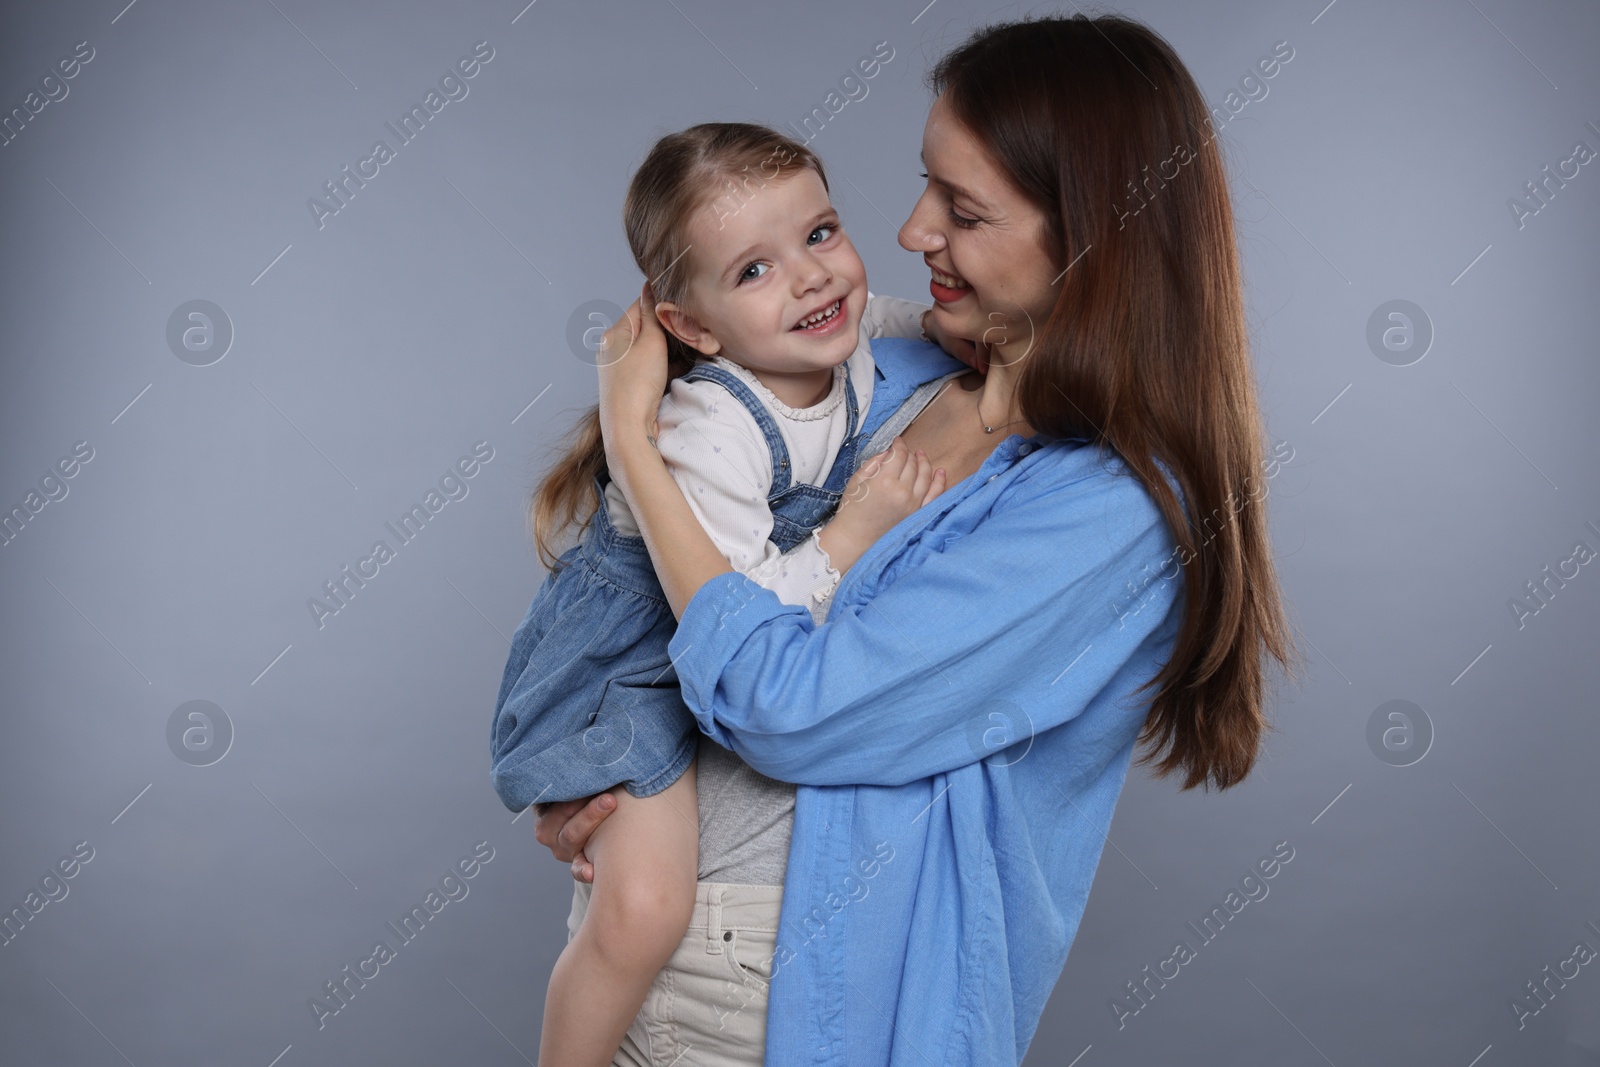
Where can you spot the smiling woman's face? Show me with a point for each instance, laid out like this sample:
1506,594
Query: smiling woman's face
983,241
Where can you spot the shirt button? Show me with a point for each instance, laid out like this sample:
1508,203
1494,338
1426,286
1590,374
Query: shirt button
992,477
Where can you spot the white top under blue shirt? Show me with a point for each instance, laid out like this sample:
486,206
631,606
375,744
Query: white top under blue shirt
959,728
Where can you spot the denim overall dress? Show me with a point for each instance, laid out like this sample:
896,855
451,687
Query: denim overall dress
589,697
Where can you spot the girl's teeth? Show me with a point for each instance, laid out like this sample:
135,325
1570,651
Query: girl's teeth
947,281
821,316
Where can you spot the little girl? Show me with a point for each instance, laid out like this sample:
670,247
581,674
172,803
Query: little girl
765,305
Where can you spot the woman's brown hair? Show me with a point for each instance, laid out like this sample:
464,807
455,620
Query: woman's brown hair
1145,351
715,166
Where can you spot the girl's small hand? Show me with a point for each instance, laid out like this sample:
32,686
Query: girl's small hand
633,372
564,828
884,490
973,355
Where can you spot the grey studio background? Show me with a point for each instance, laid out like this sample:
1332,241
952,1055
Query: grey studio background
227,466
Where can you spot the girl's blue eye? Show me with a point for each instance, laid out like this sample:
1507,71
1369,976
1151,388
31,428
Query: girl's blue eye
828,229
746,276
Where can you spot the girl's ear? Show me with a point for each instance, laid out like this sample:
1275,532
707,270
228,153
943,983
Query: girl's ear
686,328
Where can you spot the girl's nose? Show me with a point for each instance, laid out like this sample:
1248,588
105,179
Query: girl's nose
813,273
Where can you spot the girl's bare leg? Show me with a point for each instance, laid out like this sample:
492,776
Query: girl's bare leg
646,858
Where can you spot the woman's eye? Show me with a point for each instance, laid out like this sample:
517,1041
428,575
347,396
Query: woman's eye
827,231
753,271
964,221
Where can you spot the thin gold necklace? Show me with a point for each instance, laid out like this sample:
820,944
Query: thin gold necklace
991,429
979,409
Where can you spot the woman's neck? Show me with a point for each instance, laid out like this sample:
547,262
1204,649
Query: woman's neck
996,397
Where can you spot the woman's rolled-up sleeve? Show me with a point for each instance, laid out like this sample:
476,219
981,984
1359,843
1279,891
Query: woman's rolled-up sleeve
1029,615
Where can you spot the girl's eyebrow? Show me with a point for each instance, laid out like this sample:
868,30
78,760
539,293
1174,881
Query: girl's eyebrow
961,191
735,262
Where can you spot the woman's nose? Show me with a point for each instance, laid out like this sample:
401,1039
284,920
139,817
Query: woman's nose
916,235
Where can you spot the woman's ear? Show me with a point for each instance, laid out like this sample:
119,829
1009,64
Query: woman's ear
686,328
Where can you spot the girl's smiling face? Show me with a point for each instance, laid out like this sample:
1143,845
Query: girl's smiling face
983,242
775,285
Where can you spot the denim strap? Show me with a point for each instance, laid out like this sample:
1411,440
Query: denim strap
758,411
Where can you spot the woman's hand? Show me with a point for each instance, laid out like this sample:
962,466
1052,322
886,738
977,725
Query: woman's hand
633,376
564,828
973,355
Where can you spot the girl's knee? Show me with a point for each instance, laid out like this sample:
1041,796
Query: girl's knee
641,920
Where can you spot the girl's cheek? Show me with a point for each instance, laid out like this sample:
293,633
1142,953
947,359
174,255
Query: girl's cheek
848,261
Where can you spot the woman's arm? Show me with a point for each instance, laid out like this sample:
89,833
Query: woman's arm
1035,603
633,378
1030,615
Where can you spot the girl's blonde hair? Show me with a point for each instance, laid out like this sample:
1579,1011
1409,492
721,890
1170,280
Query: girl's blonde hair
717,166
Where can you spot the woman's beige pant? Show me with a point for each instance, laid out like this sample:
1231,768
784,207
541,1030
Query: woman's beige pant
708,1006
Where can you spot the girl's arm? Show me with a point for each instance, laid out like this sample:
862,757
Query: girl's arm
890,316
721,464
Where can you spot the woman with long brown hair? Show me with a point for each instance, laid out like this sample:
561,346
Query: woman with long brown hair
1096,576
